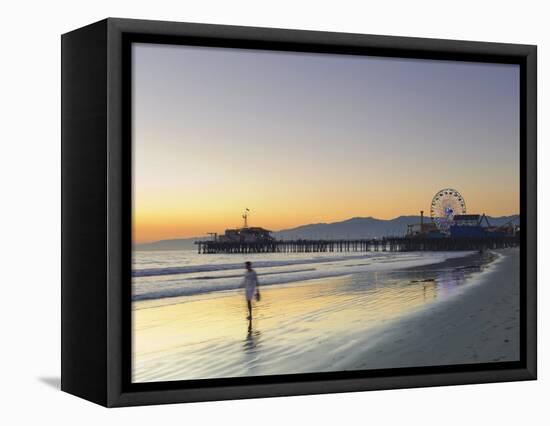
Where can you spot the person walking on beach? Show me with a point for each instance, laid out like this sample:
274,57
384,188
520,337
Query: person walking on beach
250,284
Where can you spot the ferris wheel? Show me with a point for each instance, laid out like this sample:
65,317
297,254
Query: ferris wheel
445,205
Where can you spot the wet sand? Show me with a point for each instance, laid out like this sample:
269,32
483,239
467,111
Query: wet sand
435,315
479,326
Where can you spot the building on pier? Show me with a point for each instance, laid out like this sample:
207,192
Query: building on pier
424,229
246,234
253,234
471,225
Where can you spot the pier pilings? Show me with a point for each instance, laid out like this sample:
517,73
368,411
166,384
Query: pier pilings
391,244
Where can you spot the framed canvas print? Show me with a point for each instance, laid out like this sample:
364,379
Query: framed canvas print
253,212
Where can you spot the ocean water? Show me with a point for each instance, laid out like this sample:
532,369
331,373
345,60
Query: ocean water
166,274
318,312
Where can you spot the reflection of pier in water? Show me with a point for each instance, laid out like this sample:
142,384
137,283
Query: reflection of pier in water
359,245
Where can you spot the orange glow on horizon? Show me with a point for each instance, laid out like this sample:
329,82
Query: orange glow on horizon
175,223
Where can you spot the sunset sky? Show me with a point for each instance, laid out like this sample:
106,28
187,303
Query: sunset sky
305,138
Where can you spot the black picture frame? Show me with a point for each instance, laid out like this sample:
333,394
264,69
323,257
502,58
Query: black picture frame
96,211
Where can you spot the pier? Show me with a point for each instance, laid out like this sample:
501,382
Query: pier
392,244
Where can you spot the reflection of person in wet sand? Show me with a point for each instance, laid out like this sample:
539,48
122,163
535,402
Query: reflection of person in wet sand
250,284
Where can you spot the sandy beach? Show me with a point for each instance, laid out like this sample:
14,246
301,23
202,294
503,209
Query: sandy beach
480,325
459,311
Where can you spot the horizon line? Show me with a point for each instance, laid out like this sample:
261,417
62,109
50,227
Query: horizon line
312,224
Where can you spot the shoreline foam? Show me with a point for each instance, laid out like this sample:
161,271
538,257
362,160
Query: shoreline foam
275,272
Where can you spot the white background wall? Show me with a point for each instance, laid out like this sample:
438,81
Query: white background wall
30,200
